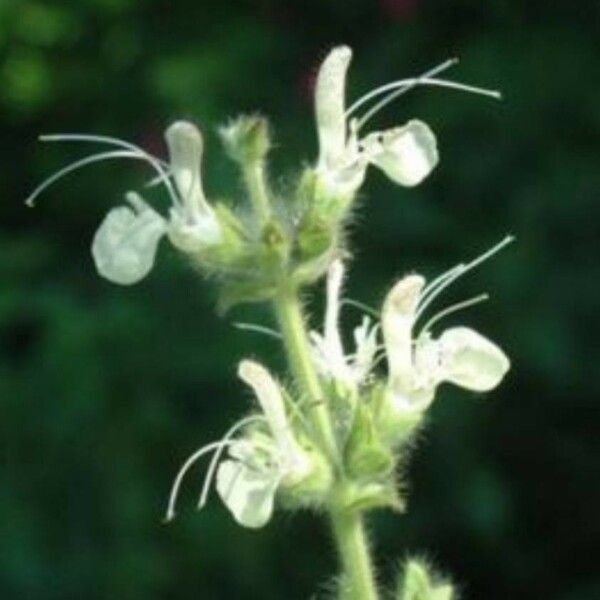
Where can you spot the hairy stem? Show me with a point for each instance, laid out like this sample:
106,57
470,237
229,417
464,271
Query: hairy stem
295,336
348,527
353,549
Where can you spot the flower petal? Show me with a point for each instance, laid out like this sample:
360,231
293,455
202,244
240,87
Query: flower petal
405,154
249,494
192,234
470,360
193,225
125,244
365,338
330,104
267,393
397,320
185,154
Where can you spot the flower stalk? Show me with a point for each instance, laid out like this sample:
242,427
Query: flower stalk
348,526
353,549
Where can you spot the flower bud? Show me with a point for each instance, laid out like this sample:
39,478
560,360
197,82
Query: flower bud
246,139
418,583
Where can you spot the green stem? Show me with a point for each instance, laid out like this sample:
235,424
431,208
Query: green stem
354,553
297,345
254,176
348,526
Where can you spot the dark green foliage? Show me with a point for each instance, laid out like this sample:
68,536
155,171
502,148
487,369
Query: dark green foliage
105,390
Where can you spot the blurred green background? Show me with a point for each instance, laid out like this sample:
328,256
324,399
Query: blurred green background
105,390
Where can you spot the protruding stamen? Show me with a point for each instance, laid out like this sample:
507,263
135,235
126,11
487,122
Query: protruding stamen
258,329
361,306
88,160
214,461
440,279
460,272
409,84
135,152
182,472
399,83
454,308
101,139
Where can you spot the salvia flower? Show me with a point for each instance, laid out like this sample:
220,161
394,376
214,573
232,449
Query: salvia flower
258,462
406,154
248,480
418,363
125,245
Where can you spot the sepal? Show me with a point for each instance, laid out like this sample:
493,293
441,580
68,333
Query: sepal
360,497
396,428
417,582
239,292
365,455
313,490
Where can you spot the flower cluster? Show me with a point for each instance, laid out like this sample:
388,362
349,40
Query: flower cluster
417,362
278,454
125,245
331,439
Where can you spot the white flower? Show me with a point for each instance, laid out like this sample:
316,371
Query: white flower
419,363
332,362
125,244
406,154
259,462
248,481
193,224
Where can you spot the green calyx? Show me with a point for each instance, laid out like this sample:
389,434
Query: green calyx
417,582
316,199
365,455
313,490
359,496
280,243
396,429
